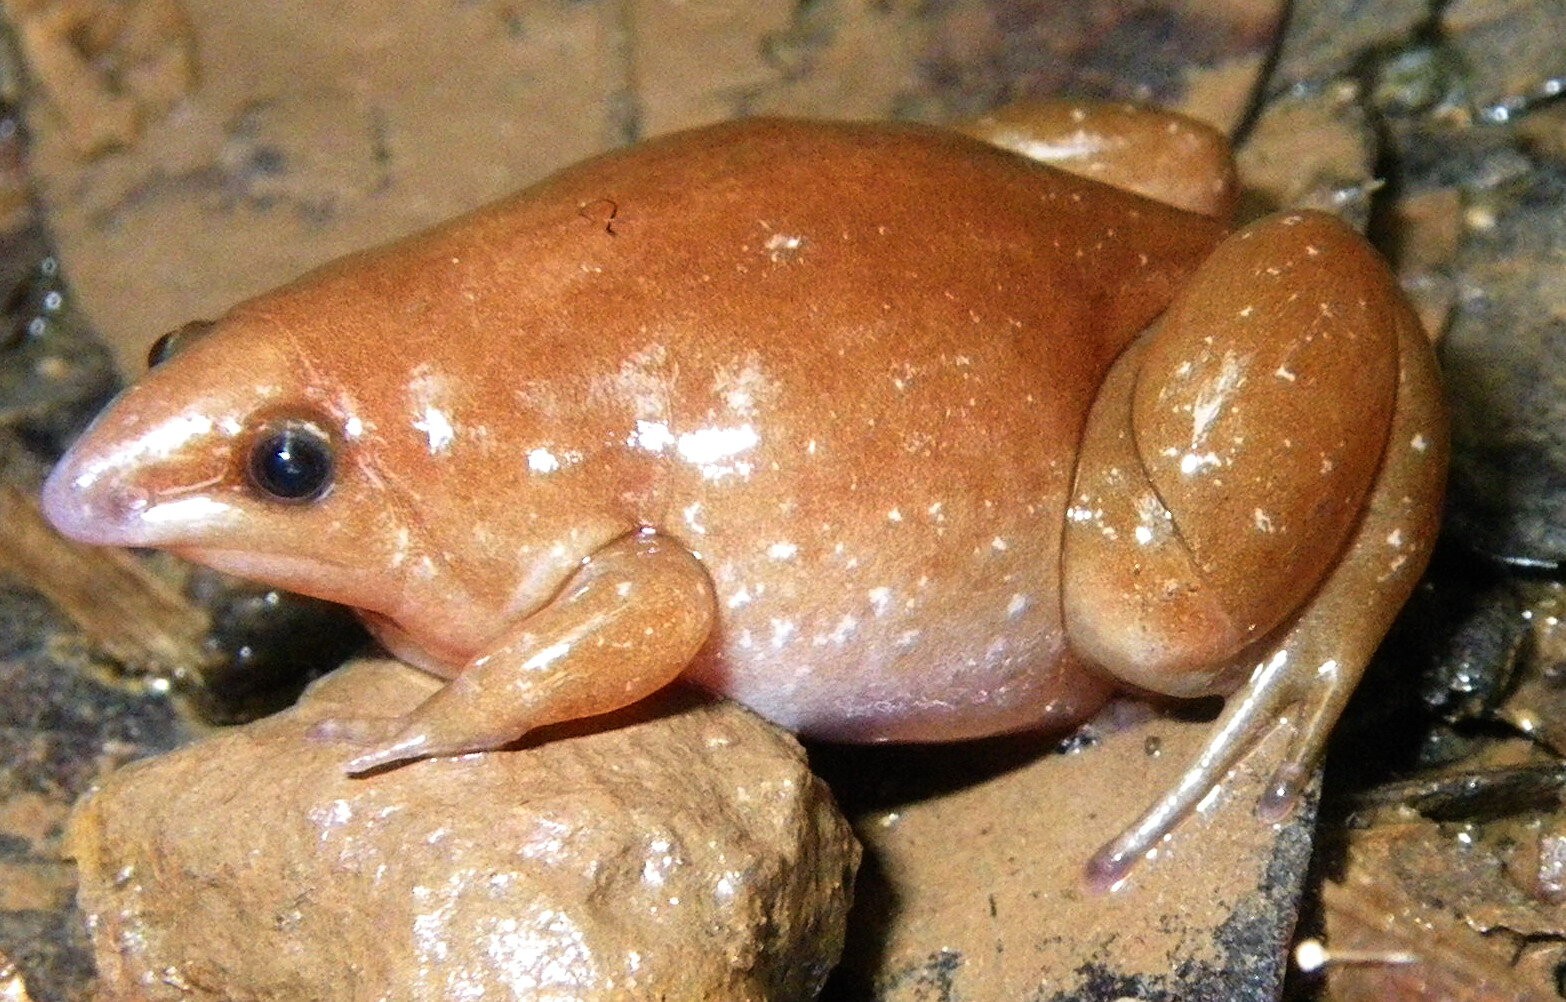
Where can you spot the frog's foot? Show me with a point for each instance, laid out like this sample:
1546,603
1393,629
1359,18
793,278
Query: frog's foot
1159,154
1259,486
624,626
1272,698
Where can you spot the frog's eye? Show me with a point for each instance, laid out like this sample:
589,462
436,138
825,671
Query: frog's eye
176,341
292,462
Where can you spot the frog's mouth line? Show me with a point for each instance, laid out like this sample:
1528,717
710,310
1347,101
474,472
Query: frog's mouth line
317,578
377,603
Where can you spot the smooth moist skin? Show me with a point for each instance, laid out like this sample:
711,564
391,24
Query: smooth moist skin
827,418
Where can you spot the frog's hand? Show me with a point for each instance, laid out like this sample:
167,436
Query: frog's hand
1155,153
623,627
1258,498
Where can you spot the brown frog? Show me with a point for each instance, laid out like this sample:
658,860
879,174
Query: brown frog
889,432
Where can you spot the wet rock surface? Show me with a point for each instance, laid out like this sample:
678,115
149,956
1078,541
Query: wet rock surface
684,852
973,886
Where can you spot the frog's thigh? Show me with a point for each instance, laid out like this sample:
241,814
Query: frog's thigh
1160,154
1229,454
623,627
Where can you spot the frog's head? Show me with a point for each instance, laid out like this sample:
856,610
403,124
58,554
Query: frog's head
241,451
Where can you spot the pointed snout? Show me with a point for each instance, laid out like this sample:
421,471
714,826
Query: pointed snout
129,481
89,506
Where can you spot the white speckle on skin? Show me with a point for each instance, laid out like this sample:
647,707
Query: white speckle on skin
783,247
998,545
894,515
1418,443
1018,603
427,389
740,598
437,428
1191,463
709,445
879,599
692,513
542,461
744,385
782,551
651,436
1214,398
1284,372
782,629
1395,537
1143,534
1262,520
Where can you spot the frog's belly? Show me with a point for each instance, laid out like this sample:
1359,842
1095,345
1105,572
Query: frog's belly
861,639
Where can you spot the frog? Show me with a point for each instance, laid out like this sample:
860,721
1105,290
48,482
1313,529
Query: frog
890,432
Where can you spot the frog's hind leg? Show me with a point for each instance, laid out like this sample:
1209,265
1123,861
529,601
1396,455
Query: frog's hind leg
1156,153
1271,487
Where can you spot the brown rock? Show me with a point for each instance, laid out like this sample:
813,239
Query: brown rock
975,863
685,852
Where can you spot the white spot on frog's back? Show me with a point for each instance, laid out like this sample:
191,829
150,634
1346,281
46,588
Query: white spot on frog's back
542,461
710,448
785,247
642,381
650,436
744,386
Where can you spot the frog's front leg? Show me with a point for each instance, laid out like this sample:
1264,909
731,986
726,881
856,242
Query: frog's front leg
1258,490
624,626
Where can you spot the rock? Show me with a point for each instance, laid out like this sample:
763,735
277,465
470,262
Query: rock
1312,149
683,851
973,885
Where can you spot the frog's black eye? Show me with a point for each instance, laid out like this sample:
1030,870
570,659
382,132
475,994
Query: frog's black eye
176,341
292,462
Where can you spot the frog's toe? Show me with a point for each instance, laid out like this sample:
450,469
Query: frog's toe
405,746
